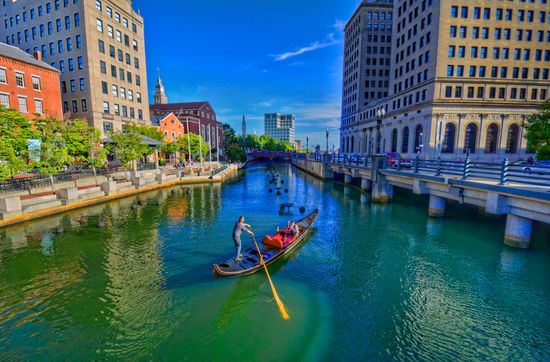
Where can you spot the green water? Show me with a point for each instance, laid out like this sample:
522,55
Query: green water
372,282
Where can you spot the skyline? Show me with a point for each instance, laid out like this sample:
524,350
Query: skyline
289,64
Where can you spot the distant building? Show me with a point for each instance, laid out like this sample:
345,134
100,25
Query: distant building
160,95
244,127
99,48
280,126
298,144
28,84
197,118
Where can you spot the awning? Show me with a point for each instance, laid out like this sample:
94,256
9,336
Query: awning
146,140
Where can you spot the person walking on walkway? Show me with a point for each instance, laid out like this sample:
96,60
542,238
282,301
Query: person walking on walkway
238,229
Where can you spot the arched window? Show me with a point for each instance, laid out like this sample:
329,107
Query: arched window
491,140
405,143
470,138
512,140
394,140
418,138
449,138
352,144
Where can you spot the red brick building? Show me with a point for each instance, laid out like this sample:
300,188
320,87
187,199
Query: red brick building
201,119
28,84
173,132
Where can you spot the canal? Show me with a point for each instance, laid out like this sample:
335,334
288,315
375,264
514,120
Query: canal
375,282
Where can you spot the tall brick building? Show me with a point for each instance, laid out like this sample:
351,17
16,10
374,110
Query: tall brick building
28,84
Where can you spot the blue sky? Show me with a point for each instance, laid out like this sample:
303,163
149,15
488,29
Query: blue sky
251,57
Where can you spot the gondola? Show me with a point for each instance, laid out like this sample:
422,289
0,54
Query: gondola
250,263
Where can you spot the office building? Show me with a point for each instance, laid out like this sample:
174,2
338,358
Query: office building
98,47
464,78
280,126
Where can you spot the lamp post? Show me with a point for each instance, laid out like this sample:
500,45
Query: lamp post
326,136
200,141
381,112
307,144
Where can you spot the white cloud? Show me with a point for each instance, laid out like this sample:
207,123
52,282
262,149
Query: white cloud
339,25
329,41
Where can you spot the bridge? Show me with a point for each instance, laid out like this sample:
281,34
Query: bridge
269,155
500,189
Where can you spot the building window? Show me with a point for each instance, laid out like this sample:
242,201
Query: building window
512,139
102,67
76,20
20,79
116,109
107,127
105,107
98,5
22,102
5,100
449,138
3,76
115,90
84,106
104,87
36,83
491,140
100,25
82,84
470,139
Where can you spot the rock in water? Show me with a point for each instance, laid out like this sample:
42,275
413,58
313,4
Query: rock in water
302,209
134,206
101,223
60,230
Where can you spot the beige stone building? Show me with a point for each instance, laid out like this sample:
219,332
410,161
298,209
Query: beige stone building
464,77
367,51
99,48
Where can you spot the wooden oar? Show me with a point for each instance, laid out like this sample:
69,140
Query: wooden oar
280,304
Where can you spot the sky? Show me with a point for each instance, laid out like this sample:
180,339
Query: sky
250,57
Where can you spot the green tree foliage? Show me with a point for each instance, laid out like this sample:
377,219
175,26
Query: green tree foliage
234,149
267,143
128,146
148,131
171,147
538,132
195,140
15,130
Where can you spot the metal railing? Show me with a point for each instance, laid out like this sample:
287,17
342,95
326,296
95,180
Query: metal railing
502,173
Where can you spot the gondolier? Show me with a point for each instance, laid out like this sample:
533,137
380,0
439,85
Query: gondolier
238,229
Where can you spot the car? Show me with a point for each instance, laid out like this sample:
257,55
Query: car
392,160
541,168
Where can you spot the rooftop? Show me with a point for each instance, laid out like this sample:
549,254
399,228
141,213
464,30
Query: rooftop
15,53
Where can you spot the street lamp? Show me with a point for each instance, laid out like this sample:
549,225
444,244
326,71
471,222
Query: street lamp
381,112
327,139
307,144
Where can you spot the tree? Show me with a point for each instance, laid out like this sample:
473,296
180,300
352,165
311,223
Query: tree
195,141
15,130
234,149
235,153
81,140
128,146
253,142
148,131
538,132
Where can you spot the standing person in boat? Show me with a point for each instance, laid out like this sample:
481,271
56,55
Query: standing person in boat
238,229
